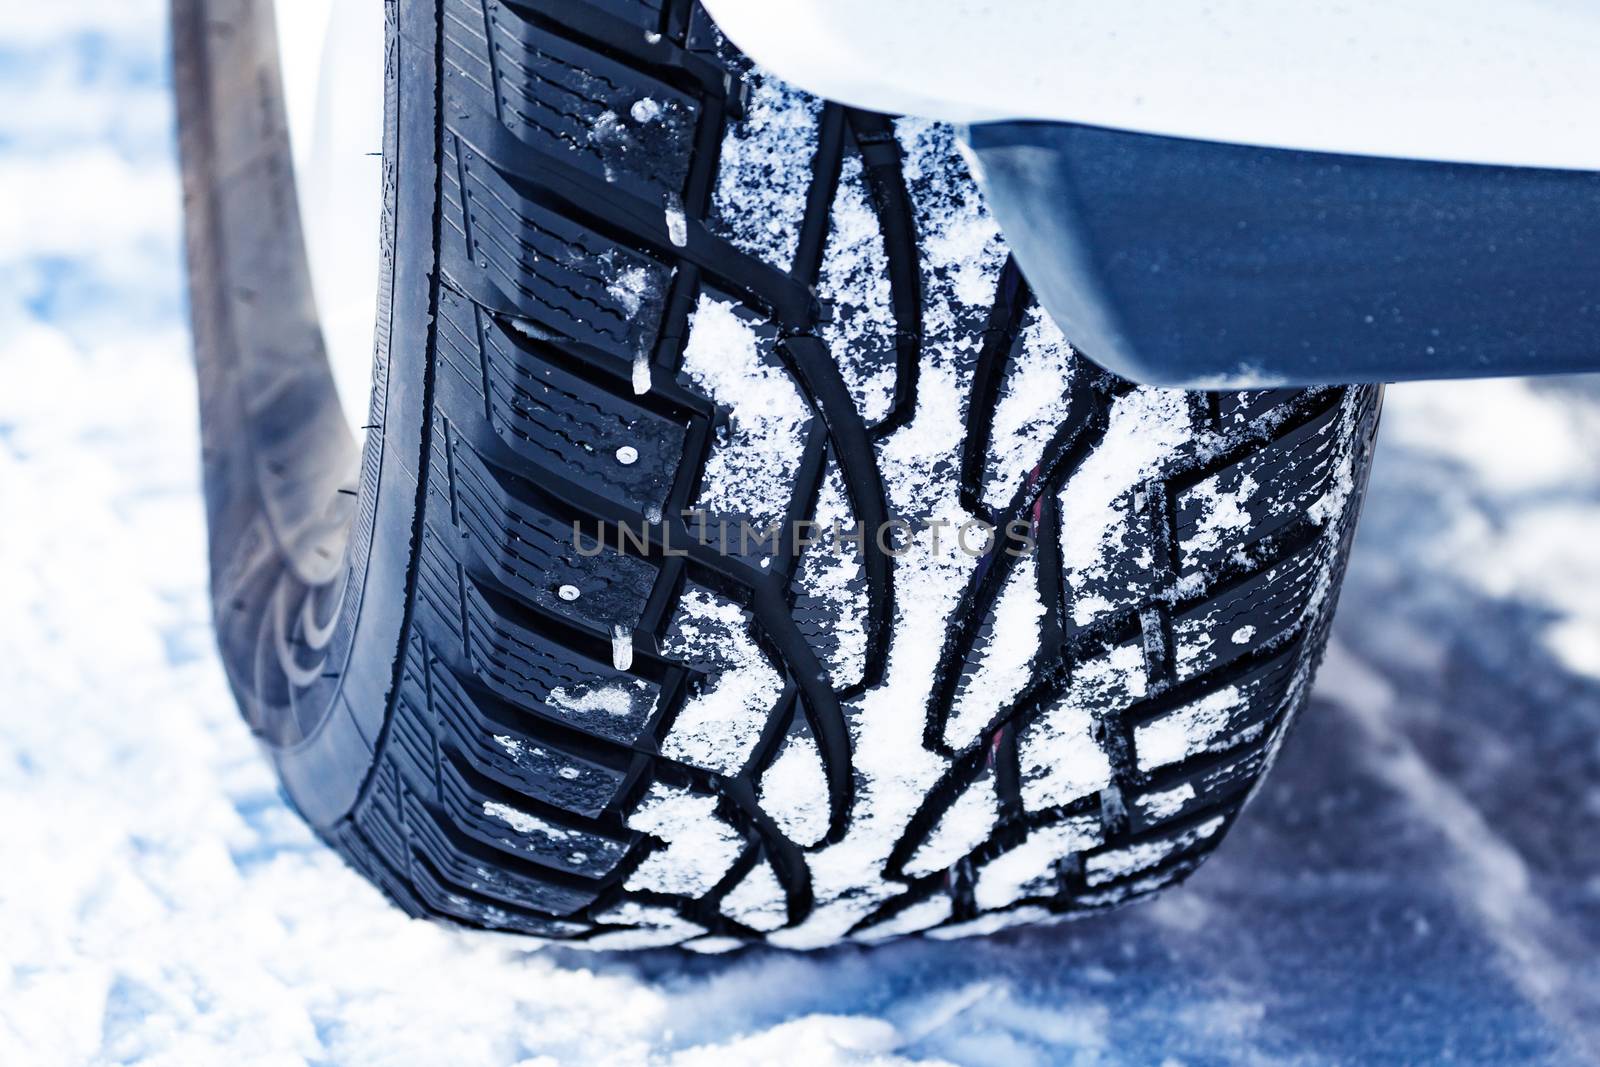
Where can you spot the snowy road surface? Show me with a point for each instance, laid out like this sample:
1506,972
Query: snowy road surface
1418,882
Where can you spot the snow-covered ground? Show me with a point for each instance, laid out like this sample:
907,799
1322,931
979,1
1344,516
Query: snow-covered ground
1418,882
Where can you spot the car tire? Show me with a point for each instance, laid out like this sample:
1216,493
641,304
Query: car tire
510,657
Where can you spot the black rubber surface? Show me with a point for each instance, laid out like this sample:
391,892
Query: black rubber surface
422,648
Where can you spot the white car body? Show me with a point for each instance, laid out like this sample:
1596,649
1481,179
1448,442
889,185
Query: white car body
331,52
1471,81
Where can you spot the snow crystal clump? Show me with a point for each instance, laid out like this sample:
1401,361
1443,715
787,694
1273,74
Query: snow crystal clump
1029,869
613,699
854,280
1032,406
700,845
962,828
760,198
751,472
523,822
630,288
1221,514
758,901
794,791
1146,427
1004,669
718,728
1186,731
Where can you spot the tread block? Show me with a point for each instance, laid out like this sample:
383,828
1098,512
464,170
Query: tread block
554,95
447,898
962,253
1257,496
1034,401
358,852
532,553
759,201
1140,854
502,744
704,37
1125,573
1252,614
541,675
699,847
830,587
646,13
749,478
1031,866
557,275
634,925
1061,757
412,748
506,820
552,418
1189,789
793,788
854,281
722,717
967,822
465,863
913,916
1153,880
999,663
758,900
1228,715
1237,409
380,821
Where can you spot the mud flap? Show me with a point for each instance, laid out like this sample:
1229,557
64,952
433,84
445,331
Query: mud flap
1198,264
